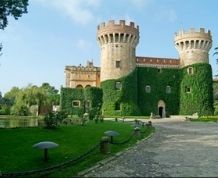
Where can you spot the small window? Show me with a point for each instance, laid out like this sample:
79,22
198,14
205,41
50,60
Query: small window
76,103
190,70
117,106
168,89
117,64
88,104
148,89
159,70
187,89
118,85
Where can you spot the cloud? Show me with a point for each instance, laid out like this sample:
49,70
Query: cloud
80,11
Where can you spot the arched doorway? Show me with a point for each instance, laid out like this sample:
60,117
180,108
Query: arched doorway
161,108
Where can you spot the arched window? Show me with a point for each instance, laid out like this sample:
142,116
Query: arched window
79,86
88,86
168,89
148,89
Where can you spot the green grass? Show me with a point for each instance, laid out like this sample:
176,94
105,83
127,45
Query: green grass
17,153
206,119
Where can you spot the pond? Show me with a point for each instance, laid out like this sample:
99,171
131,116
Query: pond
18,122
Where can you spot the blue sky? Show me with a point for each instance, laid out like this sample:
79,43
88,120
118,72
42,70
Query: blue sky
56,33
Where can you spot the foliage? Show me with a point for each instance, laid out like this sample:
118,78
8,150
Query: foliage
90,101
126,97
133,95
53,119
13,8
20,100
200,99
216,53
158,80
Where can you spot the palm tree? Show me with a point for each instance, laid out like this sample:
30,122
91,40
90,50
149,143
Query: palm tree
216,53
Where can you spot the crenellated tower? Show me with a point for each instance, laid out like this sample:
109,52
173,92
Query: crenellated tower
193,46
117,43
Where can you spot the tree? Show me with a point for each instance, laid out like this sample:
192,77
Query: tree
13,8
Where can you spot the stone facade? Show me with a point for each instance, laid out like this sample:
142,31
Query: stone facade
82,76
117,43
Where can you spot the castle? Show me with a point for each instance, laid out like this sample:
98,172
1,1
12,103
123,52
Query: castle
133,85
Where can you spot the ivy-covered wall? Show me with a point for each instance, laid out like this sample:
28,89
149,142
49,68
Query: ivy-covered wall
158,80
200,97
90,100
130,96
123,101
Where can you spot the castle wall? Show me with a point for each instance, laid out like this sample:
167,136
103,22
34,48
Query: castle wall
113,52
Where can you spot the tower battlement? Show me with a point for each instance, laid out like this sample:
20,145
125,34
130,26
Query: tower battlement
193,46
121,32
121,24
193,33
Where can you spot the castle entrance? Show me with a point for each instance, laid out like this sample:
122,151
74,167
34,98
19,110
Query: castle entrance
161,109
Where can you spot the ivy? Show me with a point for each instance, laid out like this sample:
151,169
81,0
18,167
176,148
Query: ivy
158,80
200,97
90,100
126,96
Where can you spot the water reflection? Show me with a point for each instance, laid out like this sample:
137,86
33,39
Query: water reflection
12,123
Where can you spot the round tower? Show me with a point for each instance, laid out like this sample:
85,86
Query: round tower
117,43
193,46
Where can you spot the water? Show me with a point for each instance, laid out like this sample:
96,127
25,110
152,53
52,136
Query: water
21,122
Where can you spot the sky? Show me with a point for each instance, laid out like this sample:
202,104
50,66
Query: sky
56,33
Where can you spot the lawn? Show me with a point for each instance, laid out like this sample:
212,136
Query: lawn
17,153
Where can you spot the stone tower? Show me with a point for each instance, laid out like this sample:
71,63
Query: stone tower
193,46
117,43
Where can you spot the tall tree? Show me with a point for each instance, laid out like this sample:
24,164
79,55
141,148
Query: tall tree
14,8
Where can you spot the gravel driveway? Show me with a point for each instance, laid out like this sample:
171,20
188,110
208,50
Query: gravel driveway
177,149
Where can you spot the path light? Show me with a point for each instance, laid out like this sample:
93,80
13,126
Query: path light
111,133
45,145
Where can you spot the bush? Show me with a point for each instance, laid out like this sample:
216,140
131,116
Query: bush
53,119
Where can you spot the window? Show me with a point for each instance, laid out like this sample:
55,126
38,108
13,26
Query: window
148,89
117,64
168,89
118,85
88,104
187,89
190,70
159,70
76,103
117,106
79,86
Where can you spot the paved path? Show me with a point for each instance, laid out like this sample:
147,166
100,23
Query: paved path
177,149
